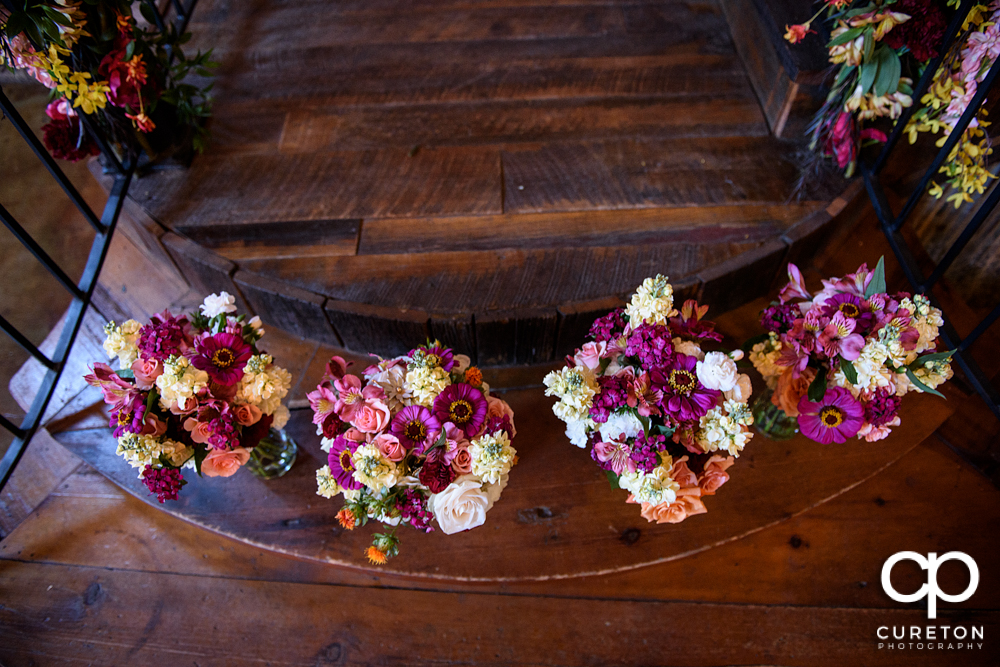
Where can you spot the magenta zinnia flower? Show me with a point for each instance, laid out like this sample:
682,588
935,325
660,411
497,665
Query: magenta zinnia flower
341,466
223,357
837,417
464,406
852,308
684,397
415,427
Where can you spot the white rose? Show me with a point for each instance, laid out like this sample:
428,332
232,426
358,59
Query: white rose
741,390
462,363
461,506
216,304
717,371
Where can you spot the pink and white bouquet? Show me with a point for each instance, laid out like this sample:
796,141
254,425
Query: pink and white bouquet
420,440
191,392
840,360
663,418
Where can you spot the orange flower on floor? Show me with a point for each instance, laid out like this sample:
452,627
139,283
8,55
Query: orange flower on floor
143,122
474,376
375,555
346,519
797,33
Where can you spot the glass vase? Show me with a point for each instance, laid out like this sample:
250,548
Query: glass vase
273,456
770,420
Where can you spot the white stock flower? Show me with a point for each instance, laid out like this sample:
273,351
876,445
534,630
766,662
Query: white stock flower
263,384
654,487
620,426
217,304
373,469
492,456
326,483
717,371
142,450
688,347
577,431
426,382
179,383
575,388
281,416
723,428
652,303
122,342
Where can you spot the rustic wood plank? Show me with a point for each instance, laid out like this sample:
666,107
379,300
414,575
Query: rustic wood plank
741,279
639,174
281,305
516,337
575,320
278,239
286,515
43,467
460,282
206,272
490,122
581,228
377,329
456,331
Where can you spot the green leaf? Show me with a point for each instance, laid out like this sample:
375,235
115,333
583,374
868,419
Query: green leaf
667,431
860,10
646,422
845,37
869,44
867,77
612,479
919,363
200,452
125,373
850,372
817,389
130,50
57,16
148,12
889,69
845,73
152,400
920,385
748,345
877,283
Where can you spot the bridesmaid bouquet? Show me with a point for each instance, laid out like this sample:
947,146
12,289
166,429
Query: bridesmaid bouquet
663,418
840,360
418,441
190,392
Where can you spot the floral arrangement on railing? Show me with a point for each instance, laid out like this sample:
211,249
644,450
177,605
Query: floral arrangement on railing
839,361
420,440
191,392
878,48
665,419
108,74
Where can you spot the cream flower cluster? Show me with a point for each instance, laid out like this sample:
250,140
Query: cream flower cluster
575,388
122,342
654,487
764,356
264,385
142,450
725,428
652,303
426,382
492,457
179,383
373,469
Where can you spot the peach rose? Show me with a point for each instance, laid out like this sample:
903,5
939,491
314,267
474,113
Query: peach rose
146,371
790,390
462,461
875,433
354,435
681,474
590,354
152,425
373,417
199,430
715,474
224,462
247,415
675,512
390,447
498,408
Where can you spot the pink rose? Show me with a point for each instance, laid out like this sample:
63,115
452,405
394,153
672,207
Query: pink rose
675,512
354,435
389,445
715,474
199,430
681,474
152,425
146,371
462,462
247,415
373,417
590,354
224,463
875,433
498,408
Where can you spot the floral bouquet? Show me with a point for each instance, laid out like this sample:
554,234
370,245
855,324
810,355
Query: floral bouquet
664,418
419,440
110,75
191,392
840,360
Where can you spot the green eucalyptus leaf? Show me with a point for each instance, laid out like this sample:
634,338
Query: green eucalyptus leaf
869,44
200,452
125,374
936,356
612,479
889,69
920,385
845,37
867,77
877,283
130,51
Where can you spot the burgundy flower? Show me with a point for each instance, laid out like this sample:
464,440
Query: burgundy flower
436,474
341,466
689,323
650,344
922,34
222,356
464,406
835,418
882,407
610,327
67,140
165,483
495,423
412,507
250,436
684,397
415,427
128,416
164,336
780,317
333,426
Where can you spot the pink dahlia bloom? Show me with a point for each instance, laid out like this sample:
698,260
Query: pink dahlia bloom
835,418
223,357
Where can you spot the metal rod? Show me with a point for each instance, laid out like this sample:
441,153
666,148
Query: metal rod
183,24
22,128
28,242
983,326
178,10
953,139
923,84
970,229
11,426
103,145
26,344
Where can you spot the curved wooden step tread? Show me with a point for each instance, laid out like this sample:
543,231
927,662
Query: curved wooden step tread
558,518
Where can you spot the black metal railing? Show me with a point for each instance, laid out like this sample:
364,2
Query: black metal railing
892,223
82,291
